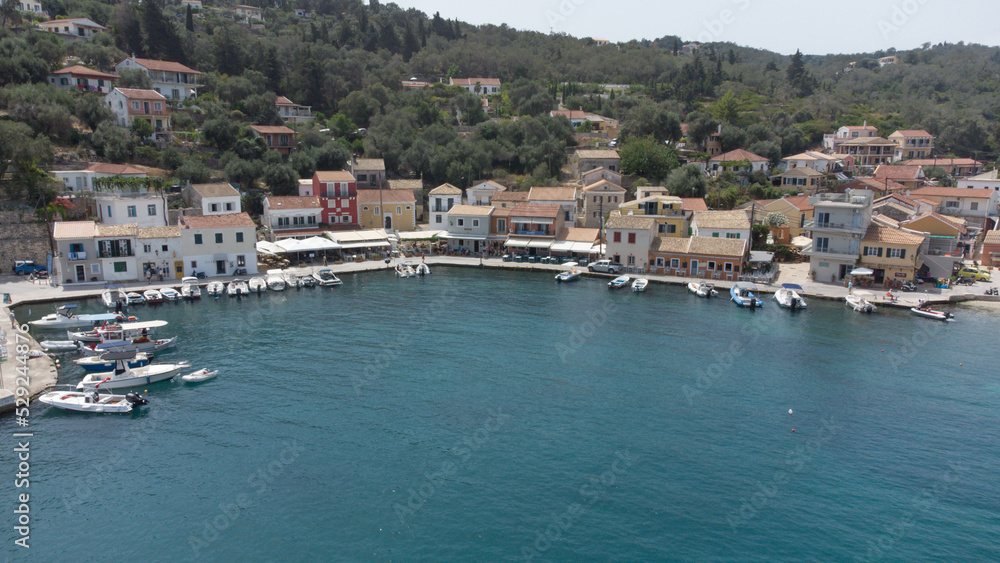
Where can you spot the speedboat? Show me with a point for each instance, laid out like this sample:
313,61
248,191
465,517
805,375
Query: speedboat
190,288
925,311
152,296
199,376
788,298
422,269
237,288
702,289
134,298
744,295
65,317
214,288
326,277
170,294
619,282
569,276
59,345
123,376
307,281
97,363
405,270
134,336
257,285
275,280
291,280
114,297
639,285
861,301
92,401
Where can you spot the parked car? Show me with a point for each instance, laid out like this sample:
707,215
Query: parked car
605,266
973,273
25,267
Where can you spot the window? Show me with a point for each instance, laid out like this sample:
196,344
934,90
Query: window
311,219
214,207
595,215
365,208
282,221
711,265
461,222
194,264
158,106
822,244
407,207
239,236
131,211
165,248
399,210
475,222
109,211
716,235
218,238
362,177
974,206
631,238
871,251
675,263
95,268
952,204
377,210
671,228
501,225
732,235
659,262
121,267
197,240
151,209
895,253
617,237
147,248
135,105
437,218
631,260
729,266
229,207
616,259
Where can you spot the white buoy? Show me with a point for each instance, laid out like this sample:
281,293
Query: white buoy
789,412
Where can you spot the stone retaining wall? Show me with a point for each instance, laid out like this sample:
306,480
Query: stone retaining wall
24,238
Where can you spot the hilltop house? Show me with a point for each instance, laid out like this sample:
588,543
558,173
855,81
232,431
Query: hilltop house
277,137
478,86
247,13
83,180
628,240
590,159
698,257
955,167
33,6
601,173
912,144
81,78
293,216
292,112
440,200
193,4
218,244
392,210
338,193
213,199
483,192
174,80
129,104
866,153
977,206
811,159
848,133
739,160
369,172
73,28
599,199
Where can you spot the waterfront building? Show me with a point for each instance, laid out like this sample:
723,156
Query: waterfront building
667,210
699,257
564,197
160,250
293,216
468,228
218,244
893,254
392,210
796,209
532,227
840,221
441,199
721,224
628,239
338,193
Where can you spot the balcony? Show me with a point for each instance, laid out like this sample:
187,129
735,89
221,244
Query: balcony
831,253
76,256
814,225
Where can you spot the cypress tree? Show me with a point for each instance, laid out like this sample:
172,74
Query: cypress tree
189,20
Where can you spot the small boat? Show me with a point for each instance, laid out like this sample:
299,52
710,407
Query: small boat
257,285
619,282
134,298
405,270
275,280
152,296
87,335
639,285
744,295
788,298
307,281
422,269
861,301
96,363
237,288
92,401
123,376
114,297
702,289
59,345
291,280
65,317
138,344
326,277
170,294
929,313
190,288
215,288
199,376
570,276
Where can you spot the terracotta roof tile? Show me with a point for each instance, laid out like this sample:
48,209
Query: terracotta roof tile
446,189
552,194
737,155
597,154
546,210
386,196
976,193
629,222
227,220
694,204
74,229
735,219
478,210
334,176
167,66
293,202
889,235
137,94
79,70
171,231
126,230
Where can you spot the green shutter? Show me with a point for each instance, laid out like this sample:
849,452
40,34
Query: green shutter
902,253
716,235
880,252
865,252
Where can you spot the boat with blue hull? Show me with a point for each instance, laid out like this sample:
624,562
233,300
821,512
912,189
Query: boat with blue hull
744,294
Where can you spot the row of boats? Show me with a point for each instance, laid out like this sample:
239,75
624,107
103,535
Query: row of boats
275,280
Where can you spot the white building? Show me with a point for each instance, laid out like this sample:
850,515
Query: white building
483,192
468,227
214,199
83,79
564,197
721,224
129,104
160,249
74,28
848,133
441,200
478,86
628,240
811,159
145,210
293,216
218,244
985,181
33,6
83,180
292,112
839,223
174,80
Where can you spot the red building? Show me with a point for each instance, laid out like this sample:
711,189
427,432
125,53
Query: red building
338,193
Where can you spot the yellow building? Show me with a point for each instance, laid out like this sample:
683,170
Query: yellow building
797,210
666,209
392,210
893,254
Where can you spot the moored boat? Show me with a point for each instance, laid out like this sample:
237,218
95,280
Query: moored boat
291,280
307,281
170,294
257,285
861,301
275,280
59,345
190,288
639,285
123,376
744,294
152,296
92,401
237,288
66,317
199,376
422,269
326,277
619,282
789,298
929,313
215,288
702,289
96,363
569,276
114,297
135,298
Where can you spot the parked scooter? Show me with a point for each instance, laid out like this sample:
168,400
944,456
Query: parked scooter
908,286
991,291
240,272
197,274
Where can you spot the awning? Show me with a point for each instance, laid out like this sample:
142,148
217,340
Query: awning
517,242
454,236
318,243
562,246
540,244
265,247
584,247
365,244
358,236
419,235
759,256
862,272
801,242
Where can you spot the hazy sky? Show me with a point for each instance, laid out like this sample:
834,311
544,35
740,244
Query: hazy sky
844,26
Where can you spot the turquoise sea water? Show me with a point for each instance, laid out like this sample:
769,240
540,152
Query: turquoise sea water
497,416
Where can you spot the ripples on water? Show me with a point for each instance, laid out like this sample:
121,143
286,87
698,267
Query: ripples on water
485,415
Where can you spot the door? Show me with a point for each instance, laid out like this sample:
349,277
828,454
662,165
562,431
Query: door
475,246
220,267
388,222
178,269
145,108
694,267
81,275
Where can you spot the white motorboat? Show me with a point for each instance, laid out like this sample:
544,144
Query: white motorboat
66,317
135,336
170,294
190,288
215,288
152,296
744,294
702,289
569,276
92,401
639,285
96,334
862,301
97,363
422,269
257,285
114,297
291,280
929,313
326,277
199,376
789,298
307,281
134,298
619,282
59,345
123,377
405,270
275,280
237,288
